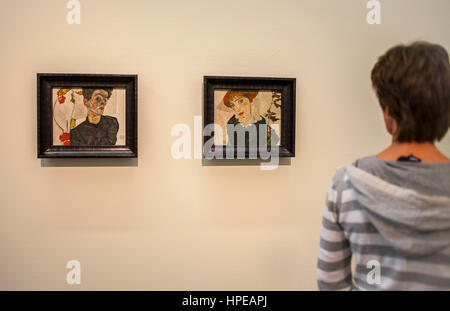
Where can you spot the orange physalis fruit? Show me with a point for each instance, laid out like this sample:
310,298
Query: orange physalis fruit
62,92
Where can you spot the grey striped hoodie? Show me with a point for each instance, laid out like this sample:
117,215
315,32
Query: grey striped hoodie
393,219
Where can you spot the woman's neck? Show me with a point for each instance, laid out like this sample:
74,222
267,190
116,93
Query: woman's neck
426,152
253,118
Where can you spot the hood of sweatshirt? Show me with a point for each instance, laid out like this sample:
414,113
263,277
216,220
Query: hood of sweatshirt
414,223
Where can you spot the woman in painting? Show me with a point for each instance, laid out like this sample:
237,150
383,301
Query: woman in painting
97,129
245,115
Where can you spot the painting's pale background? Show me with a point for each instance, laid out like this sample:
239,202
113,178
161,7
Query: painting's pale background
167,224
261,103
115,107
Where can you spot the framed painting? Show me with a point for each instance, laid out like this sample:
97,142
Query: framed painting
245,117
86,115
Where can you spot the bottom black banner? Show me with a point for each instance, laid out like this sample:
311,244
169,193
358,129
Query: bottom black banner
213,300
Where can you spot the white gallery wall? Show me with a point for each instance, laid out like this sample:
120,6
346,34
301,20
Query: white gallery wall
163,224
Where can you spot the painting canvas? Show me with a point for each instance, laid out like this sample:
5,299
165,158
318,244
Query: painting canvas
242,109
89,116
246,117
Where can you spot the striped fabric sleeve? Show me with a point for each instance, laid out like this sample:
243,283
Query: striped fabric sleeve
334,258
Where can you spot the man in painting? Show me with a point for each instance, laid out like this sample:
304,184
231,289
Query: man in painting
245,116
97,129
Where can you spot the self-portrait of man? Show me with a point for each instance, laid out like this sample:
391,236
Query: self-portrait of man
89,116
97,129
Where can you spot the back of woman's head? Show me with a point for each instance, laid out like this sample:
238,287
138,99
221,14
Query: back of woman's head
413,82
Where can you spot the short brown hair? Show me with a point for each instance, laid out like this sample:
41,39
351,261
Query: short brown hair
413,81
230,95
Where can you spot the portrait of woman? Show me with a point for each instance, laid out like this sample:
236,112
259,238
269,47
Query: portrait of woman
239,110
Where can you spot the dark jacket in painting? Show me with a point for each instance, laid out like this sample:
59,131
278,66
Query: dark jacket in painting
103,133
261,125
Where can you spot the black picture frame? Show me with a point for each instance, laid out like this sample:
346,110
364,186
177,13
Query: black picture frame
287,86
45,84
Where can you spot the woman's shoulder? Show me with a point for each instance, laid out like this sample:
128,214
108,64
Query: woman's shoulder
424,177
261,120
233,120
361,163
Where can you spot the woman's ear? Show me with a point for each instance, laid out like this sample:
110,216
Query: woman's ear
389,121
